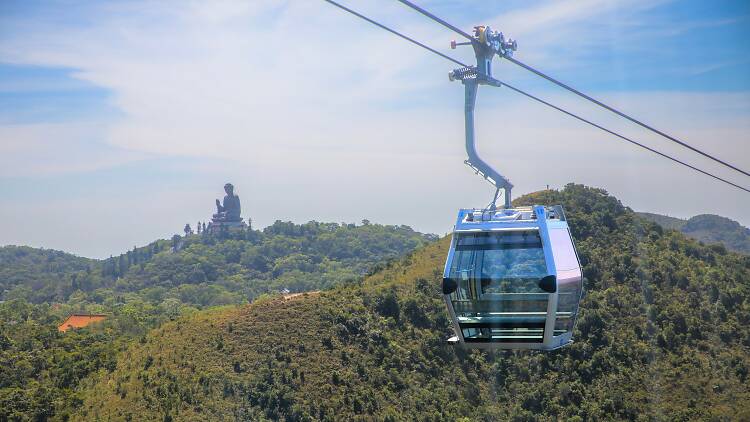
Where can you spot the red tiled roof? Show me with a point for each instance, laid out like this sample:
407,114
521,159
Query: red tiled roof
80,321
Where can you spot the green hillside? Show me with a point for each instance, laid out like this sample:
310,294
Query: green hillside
41,369
708,228
38,273
715,229
207,270
672,223
663,335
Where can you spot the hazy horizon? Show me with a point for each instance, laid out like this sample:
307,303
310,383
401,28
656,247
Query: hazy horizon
256,227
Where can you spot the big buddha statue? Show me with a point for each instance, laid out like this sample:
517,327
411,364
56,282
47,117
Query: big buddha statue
228,211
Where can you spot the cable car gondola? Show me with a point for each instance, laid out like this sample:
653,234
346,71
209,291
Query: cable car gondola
512,279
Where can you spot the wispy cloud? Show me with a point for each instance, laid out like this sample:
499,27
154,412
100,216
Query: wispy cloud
299,103
703,68
561,33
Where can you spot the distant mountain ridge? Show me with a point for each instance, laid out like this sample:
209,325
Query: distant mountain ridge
208,270
707,228
38,270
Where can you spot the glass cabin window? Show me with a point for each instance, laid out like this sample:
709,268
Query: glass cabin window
503,262
498,296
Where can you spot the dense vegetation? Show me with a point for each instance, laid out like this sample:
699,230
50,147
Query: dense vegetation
41,369
206,270
663,334
38,274
667,222
708,228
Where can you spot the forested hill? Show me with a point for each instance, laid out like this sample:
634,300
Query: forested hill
27,271
708,228
670,223
41,368
207,269
663,335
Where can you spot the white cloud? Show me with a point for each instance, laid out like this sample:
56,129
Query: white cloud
47,150
312,114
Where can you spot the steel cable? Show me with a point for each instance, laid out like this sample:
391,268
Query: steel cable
577,92
520,91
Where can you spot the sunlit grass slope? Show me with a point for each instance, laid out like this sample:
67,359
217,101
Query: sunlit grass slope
663,334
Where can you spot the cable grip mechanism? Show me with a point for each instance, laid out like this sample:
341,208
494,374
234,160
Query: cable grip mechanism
463,73
486,44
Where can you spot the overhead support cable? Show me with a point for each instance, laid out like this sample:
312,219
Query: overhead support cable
577,92
623,115
499,83
438,20
394,32
575,116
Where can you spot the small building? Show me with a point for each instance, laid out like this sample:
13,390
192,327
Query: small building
80,321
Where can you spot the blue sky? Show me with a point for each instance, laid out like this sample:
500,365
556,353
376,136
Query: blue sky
119,122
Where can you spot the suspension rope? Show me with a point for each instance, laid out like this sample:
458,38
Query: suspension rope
394,32
438,20
519,91
623,115
577,92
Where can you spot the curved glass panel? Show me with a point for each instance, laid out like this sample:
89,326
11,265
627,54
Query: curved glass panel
569,280
498,296
563,250
504,262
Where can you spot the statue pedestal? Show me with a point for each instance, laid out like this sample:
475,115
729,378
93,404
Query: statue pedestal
217,227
